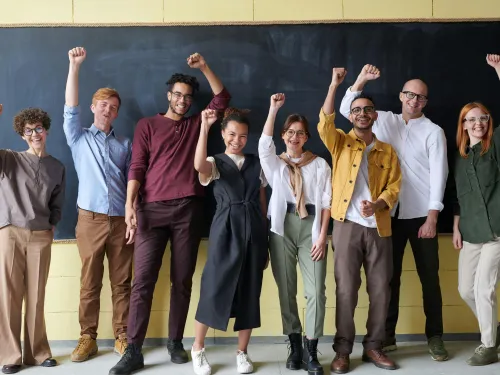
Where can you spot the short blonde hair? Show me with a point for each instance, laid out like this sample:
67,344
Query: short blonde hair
106,93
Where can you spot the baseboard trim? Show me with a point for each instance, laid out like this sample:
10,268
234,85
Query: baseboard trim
212,341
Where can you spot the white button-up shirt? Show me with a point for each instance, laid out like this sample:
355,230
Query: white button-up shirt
316,184
421,149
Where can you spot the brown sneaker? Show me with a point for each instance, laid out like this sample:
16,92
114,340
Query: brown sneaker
86,348
121,344
379,359
340,364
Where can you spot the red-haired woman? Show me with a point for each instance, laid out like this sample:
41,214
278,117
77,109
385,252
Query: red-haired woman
476,229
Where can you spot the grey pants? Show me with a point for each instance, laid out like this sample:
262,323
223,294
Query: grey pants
285,251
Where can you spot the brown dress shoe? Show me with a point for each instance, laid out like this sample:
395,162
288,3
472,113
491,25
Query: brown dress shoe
340,364
379,359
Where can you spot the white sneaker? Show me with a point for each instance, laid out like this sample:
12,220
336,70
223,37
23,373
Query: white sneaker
244,363
200,362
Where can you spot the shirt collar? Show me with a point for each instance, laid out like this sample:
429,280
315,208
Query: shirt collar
94,131
377,146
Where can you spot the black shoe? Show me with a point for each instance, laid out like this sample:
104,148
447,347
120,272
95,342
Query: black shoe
176,350
49,362
11,369
310,357
131,361
294,360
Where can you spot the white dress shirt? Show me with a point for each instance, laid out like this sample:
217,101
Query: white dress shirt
361,192
316,184
421,149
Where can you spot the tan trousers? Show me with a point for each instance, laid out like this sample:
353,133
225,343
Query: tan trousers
24,269
98,235
477,280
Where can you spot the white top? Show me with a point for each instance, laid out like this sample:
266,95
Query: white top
316,184
238,160
421,149
361,192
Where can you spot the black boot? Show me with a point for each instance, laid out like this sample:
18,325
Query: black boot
132,360
310,357
176,350
294,360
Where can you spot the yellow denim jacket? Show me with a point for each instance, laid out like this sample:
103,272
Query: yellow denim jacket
384,173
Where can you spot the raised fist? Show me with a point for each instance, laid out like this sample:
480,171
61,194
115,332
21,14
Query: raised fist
277,100
196,61
338,75
208,117
370,72
493,61
77,55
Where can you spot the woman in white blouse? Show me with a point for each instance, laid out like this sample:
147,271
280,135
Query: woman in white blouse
299,210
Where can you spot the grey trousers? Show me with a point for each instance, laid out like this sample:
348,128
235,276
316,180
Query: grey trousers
285,252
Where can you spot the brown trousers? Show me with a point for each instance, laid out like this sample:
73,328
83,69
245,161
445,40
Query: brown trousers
356,246
24,269
98,235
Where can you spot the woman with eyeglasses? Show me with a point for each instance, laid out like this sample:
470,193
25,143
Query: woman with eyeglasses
476,228
31,198
300,213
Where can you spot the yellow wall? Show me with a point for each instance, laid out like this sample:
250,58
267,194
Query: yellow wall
63,286
171,11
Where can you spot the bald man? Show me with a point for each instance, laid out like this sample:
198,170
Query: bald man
421,148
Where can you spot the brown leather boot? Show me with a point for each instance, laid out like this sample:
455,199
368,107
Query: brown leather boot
379,359
340,364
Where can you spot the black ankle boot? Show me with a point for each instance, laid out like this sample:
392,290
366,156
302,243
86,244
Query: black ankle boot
132,360
310,357
176,350
294,360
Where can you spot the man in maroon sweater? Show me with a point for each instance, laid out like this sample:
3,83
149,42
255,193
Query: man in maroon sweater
165,185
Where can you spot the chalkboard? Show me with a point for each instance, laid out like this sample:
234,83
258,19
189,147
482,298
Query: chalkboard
253,62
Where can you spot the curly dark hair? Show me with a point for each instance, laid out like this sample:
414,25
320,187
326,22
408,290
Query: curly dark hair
183,78
31,116
362,95
235,114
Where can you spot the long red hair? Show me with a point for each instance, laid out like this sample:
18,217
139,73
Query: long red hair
463,139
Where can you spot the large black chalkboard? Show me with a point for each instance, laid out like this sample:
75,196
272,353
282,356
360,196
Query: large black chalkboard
253,62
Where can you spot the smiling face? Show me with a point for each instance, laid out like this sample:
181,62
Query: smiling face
363,114
35,136
476,122
414,98
180,98
235,136
295,137
105,112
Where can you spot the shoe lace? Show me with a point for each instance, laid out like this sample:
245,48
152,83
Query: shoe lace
292,346
177,345
378,353
313,350
127,355
243,358
83,341
436,344
200,358
480,349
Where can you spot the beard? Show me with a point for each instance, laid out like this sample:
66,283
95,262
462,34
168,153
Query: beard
172,108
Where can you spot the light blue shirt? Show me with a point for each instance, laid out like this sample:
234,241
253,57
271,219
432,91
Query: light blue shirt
101,162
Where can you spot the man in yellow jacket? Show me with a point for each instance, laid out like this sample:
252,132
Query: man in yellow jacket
366,181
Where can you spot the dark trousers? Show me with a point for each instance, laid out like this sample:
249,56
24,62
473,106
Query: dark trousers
425,252
356,246
180,221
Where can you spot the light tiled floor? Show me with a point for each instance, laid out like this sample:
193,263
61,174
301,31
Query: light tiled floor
269,359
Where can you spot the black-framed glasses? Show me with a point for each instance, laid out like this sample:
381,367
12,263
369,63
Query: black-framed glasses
299,133
411,95
29,131
366,109
178,95
482,119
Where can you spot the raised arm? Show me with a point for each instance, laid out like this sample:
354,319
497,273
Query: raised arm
72,127
267,150
494,62
368,73
326,126
197,61
201,164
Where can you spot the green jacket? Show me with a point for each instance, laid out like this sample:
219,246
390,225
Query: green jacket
477,182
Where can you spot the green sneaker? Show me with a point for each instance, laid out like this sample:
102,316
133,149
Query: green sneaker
437,349
483,356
